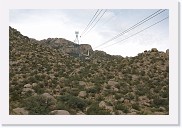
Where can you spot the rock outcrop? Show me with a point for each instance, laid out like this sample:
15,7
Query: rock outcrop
20,111
59,112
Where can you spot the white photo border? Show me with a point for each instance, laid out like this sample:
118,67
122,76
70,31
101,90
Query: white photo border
171,119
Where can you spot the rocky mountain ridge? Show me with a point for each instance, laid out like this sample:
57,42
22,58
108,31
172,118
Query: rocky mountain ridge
44,80
65,46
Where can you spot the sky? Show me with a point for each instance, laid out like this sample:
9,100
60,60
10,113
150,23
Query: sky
42,24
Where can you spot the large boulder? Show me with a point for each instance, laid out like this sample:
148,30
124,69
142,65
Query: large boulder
132,113
112,83
115,89
34,84
20,111
59,112
121,99
49,97
159,113
25,90
80,113
154,50
126,101
143,100
110,108
102,104
27,86
121,112
82,83
82,94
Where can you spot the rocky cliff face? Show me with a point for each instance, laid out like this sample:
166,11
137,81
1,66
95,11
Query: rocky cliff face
65,46
45,80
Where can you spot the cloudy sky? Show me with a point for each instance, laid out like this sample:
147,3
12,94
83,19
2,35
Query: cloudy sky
43,24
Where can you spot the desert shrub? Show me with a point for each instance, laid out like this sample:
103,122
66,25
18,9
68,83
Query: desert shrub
32,79
164,94
120,106
15,93
94,109
38,105
74,92
38,89
118,96
95,89
134,71
122,83
73,101
99,98
27,94
129,96
99,80
110,76
136,106
55,81
61,106
108,92
158,101
157,89
38,77
91,90
136,82
142,73
108,87
167,68
141,90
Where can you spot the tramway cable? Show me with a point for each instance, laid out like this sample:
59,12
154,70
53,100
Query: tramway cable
134,26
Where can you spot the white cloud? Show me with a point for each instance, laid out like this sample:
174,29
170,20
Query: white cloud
42,24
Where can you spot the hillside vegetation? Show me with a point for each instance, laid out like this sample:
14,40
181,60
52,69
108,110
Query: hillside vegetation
46,80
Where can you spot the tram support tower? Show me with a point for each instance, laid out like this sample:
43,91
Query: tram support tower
77,41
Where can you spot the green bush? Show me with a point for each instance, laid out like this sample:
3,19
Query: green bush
61,106
94,109
73,101
158,101
164,94
141,90
95,89
118,96
38,105
136,106
130,96
120,106
38,89
15,93
74,92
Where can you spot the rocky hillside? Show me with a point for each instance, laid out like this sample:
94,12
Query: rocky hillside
65,46
46,80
